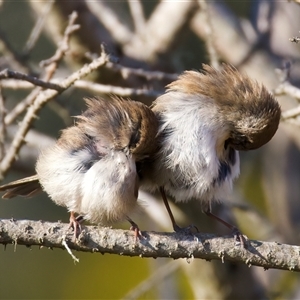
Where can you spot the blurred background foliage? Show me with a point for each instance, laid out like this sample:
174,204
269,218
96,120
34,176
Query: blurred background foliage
167,36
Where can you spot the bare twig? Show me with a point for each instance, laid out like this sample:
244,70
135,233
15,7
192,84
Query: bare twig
21,106
51,64
65,244
37,29
117,90
37,82
149,75
209,38
229,32
287,88
120,32
291,113
63,46
137,13
151,42
16,84
81,84
154,244
2,124
39,102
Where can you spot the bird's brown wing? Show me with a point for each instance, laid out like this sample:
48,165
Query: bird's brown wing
26,187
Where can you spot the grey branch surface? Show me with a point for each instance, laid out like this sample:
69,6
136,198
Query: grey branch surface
154,244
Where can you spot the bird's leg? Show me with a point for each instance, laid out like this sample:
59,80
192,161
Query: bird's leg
238,236
75,224
164,197
174,224
134,227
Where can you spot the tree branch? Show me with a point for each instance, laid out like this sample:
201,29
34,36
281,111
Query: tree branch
63,46
154,244
149,75
209,35
2,124
40,101
81,84
286,88
5,74
117,90
120,32
38,27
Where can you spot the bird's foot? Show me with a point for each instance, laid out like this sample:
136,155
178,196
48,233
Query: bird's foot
134,227
75,224
240,239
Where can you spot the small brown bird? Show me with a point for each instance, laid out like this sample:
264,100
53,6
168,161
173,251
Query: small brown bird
91,169
204,120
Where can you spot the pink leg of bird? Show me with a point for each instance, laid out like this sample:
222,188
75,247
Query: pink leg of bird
134,227
75,224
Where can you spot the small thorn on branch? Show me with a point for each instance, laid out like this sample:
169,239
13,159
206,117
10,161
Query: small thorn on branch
295,39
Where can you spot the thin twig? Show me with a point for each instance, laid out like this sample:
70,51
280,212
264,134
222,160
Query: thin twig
149,75
37,82
106,16
38,27
150,43
209,37
39,102
2,125
68,249
137,14
21,106
16,84
52,65
291,113
81,84
288,89
154,244
63,46
117,90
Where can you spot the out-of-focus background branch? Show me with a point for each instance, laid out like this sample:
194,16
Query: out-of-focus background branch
153,41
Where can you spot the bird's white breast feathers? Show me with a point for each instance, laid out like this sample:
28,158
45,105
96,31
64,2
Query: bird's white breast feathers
101,189
188,165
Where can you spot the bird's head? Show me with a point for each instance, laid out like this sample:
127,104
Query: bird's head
244,110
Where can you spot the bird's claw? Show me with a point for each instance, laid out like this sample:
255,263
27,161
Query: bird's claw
137,233
240,239
75,224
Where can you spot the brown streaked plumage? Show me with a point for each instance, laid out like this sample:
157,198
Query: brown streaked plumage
91,169
204,120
